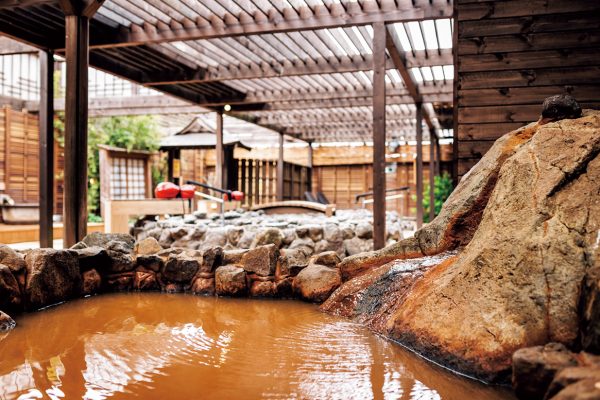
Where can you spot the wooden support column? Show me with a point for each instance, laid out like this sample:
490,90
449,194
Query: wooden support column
220,155
419,177
379,44
280,169
431,174
46,115
438,157
310,166
76,118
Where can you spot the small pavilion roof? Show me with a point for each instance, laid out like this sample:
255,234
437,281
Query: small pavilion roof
197,135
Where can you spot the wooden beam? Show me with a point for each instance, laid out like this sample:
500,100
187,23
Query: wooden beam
379,40
23,3
76,118
319,66
288,20
399,59
46,173
220,155
280,169
419,177
431,175
310,165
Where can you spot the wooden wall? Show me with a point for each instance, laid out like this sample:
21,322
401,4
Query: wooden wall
511,55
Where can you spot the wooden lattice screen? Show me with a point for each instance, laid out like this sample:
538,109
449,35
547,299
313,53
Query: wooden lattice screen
124,175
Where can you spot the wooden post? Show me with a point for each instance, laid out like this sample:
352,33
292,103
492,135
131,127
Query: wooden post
379,42
438,156
280,169
419,165
46,177
170,162
76,118
431,174
309,176
220,156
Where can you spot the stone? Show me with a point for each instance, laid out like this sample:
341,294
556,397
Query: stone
524,222
180,268
6,322
303,243
328,259
152,262
291,262
263,289
165,240
321,246
92,282
289,234
332,233
211,259
315,283
268,236
147,246
173,287
315,232
586,389
283,288
52,277
357,245
233,256
13,260
203,286
261,260
94,257
364,230
234,235
246,239
78,246
347,231
534,369
569,376
559,107
145,279
230,280
102,239
10,292
215,238
121,282
120,262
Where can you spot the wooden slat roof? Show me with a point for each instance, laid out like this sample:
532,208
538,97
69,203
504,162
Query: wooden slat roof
301,67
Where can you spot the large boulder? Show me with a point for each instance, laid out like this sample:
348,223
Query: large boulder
525,220
52,277
13,260
94,257
316,282
180,268
10,292
147,246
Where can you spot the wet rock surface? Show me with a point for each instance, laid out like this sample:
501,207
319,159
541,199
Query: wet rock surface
524,222
6,322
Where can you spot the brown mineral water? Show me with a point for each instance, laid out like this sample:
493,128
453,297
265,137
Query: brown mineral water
158,346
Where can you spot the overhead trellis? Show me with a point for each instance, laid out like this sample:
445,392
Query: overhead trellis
301,67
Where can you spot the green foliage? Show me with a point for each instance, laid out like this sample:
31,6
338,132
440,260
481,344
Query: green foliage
131,133
94,218
442,187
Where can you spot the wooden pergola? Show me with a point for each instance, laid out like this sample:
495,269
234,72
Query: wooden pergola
318,70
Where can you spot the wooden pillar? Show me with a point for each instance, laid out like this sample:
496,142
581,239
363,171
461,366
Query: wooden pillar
280,169
431,174
438,156
379,41
309,177
46,177
170,162
419,165
220,155
76,118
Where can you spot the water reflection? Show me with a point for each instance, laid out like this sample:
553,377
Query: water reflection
175,346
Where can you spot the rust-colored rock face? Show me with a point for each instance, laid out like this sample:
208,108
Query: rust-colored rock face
525,223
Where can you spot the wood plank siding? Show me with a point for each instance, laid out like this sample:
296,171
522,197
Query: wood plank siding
513,54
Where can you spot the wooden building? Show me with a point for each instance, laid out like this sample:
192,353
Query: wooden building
510,56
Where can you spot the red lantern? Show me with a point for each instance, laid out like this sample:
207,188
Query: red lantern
237,196
166,190
187,191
